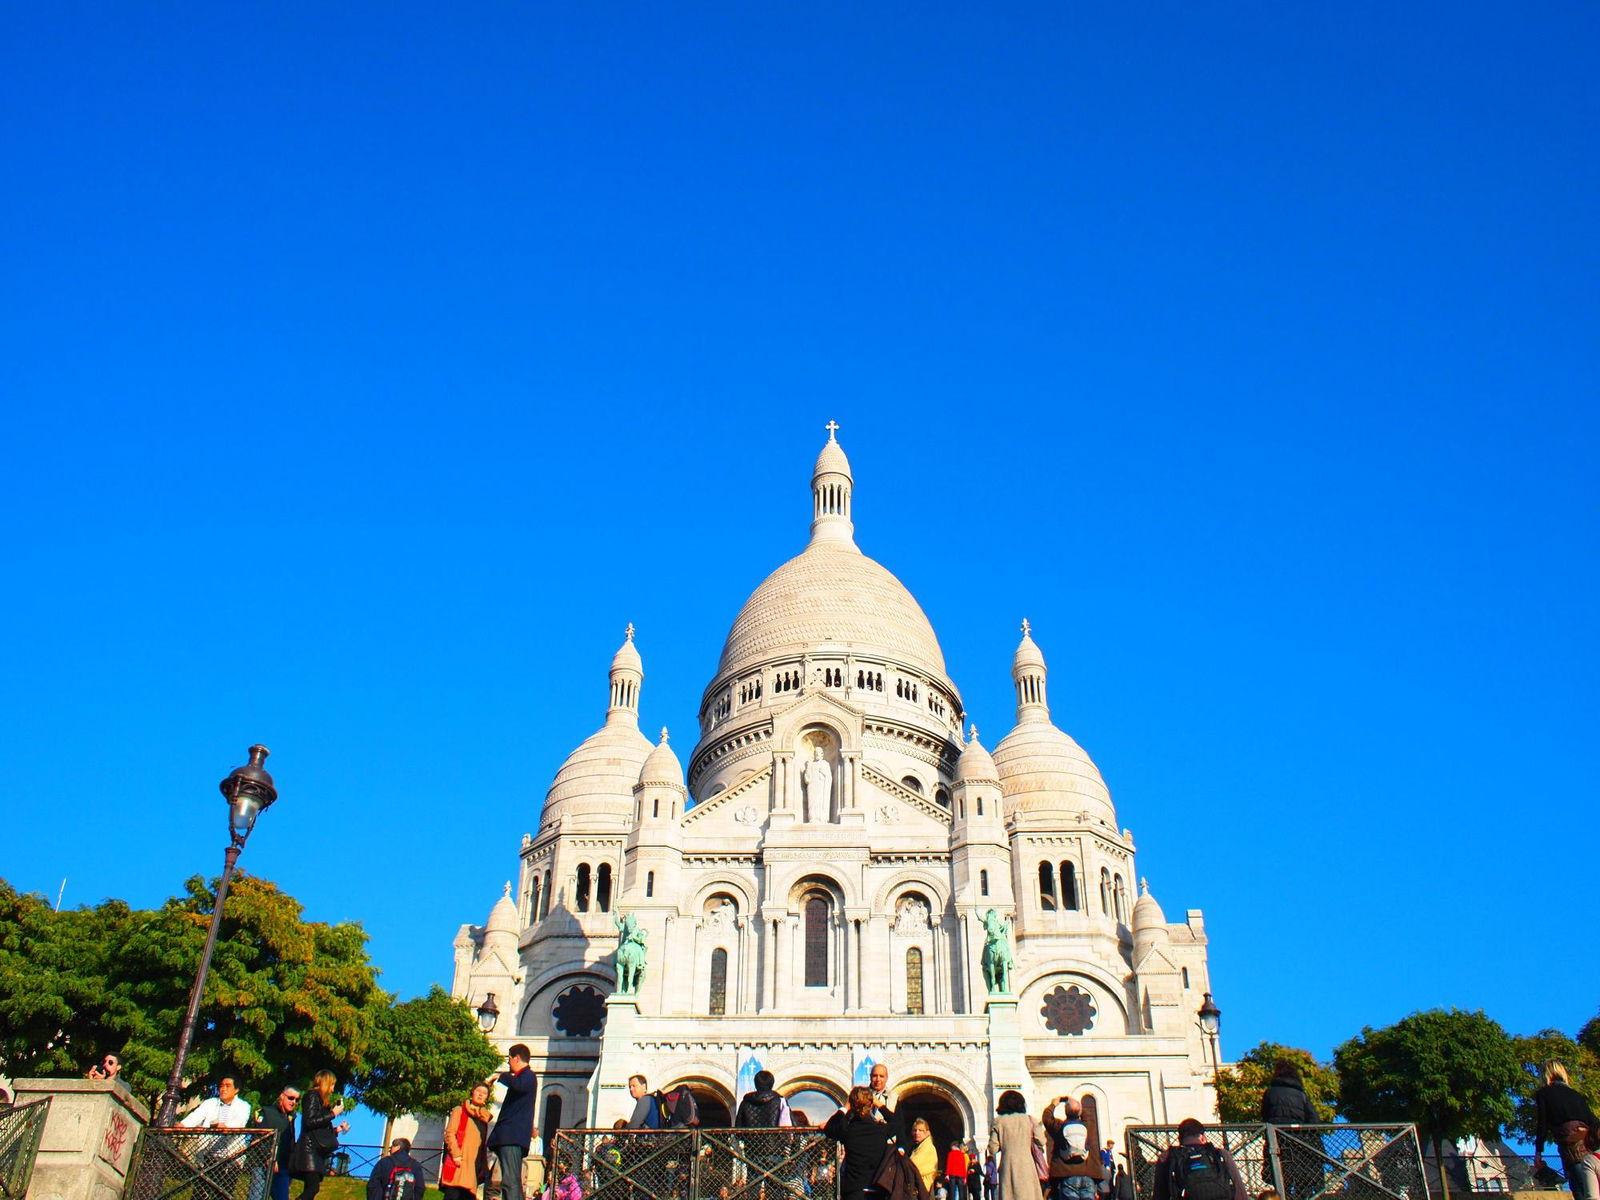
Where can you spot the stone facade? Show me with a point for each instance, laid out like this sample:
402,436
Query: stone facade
814,888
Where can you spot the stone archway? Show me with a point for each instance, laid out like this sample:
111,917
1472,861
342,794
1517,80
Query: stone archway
938,1106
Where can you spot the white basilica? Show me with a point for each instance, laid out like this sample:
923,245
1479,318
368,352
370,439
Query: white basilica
813,891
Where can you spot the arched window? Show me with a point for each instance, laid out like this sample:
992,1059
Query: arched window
580,900
1069,886
980,806
912,782
719,982
983,883
1047,887
534,890
649,884
544,910
602,889
914,981
1105,891
1186,978
1118,894
817,918
552,1118
655,806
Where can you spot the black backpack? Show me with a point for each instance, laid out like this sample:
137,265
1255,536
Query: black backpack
403,1183
678,1109
1199,1173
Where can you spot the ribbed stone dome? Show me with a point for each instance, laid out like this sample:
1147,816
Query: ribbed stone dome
599,775
831,595
1044,770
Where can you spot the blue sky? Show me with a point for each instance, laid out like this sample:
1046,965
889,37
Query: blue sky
367,370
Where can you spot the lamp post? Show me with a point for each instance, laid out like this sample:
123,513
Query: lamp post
488,1014
1211,1026
249,793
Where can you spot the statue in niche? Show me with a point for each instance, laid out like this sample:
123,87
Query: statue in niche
817,779
911,916
722,914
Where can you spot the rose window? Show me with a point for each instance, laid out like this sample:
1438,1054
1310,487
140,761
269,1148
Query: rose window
579,1011
1068,1011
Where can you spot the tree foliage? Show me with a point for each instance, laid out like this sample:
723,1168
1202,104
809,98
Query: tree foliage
284,998
1583,1069
1589,1035
1243,1083
424,1056
1450,1072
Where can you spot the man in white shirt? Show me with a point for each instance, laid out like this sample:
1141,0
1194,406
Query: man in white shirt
226,1110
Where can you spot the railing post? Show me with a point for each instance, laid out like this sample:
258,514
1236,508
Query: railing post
694,1160
1274,1158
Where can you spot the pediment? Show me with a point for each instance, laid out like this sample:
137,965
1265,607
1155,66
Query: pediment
1155,962
895,804
752,792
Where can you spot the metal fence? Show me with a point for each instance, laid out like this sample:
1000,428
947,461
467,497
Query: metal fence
1300,1162
201,1164
21,1128
697,1164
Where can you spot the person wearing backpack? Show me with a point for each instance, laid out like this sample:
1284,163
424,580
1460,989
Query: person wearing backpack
1194,1169
396,1176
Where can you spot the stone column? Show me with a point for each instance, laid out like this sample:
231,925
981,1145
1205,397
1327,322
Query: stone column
936,998
88,1140
1007,1068
608,1095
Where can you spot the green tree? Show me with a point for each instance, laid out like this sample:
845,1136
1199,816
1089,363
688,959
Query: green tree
424,1056
1589,1035
1583,1070
1243,1083
1449,1072
284,997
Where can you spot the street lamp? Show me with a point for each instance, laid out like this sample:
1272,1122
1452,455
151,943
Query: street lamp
1211,1026
249,793
488,1014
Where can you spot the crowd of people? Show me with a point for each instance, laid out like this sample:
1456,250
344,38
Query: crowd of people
881,1153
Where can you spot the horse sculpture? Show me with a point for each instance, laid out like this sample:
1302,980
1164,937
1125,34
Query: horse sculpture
630,955
997,958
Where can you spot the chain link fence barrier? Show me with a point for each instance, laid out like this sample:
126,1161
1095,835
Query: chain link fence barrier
202,1164
1300,1162
21,1129
697,1164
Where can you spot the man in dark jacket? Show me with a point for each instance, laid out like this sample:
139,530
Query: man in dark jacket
764,1109
513,1128
1194,1169
396,1176
279,1117
1285,1101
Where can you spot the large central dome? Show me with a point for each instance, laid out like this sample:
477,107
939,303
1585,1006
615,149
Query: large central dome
832,596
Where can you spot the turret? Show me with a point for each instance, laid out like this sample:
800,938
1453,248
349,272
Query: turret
831,484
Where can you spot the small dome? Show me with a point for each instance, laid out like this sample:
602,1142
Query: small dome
832,460
1028,653
975,765
503,916
627,656
1044,770
1147,913
599,775
662,767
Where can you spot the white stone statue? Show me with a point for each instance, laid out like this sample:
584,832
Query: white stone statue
818,781
911,916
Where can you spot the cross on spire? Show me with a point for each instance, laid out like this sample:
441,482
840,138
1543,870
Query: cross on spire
832,427
1025,627
974,736
663,735
629,631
